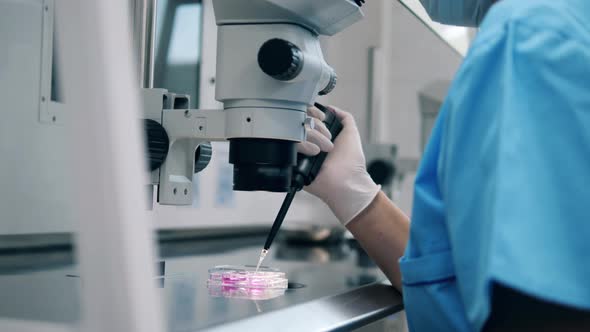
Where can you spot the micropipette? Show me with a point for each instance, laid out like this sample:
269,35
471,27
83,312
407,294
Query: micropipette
303,174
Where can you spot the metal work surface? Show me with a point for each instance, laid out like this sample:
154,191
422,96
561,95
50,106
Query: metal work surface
331,288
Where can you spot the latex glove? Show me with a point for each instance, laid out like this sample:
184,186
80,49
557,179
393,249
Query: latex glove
343,182
318,136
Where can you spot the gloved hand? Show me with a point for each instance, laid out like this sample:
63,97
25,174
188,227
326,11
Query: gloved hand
319,137
343,182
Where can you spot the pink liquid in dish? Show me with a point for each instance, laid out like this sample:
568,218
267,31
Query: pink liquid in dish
246,282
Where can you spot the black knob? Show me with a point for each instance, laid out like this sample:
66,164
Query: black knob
359,3
158,143
280,59
203,156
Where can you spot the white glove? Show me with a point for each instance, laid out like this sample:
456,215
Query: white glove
319,137
343,182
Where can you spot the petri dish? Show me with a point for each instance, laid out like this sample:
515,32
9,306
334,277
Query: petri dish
246,283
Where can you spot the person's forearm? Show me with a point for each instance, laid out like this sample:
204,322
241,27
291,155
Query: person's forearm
382,229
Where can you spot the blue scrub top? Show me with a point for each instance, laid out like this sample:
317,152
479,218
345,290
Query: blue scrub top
503,191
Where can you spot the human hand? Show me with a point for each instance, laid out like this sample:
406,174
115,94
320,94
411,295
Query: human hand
343,182
318,136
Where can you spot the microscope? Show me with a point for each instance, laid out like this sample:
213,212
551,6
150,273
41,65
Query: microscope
270,68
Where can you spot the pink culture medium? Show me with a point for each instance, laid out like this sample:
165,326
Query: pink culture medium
245,282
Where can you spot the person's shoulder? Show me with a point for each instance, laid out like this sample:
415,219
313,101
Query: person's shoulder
569,17
540,25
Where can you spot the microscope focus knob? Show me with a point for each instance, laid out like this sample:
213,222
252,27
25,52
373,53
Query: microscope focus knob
331,84
203,155
158,143
280,59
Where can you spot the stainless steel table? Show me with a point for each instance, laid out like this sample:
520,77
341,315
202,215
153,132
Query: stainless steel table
331,287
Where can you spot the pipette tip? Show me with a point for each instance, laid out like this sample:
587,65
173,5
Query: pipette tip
261,258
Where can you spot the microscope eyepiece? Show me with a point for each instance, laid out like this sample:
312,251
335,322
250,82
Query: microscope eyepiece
262,164
280,59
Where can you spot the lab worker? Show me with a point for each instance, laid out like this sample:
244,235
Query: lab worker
500,232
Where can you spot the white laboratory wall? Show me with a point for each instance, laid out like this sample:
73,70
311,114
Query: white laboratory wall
35,167
349,53
459,37
409,57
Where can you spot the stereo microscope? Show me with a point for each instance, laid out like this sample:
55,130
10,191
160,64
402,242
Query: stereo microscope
270,69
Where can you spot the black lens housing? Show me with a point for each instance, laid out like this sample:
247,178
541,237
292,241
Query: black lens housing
262,164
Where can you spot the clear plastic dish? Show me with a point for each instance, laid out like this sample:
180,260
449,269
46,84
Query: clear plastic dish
244,282
245,293
246,277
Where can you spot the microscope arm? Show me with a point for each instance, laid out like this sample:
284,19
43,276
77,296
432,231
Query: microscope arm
187,133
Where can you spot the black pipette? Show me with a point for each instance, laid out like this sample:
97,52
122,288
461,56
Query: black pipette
303,174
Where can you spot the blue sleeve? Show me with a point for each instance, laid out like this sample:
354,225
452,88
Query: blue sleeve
515,168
